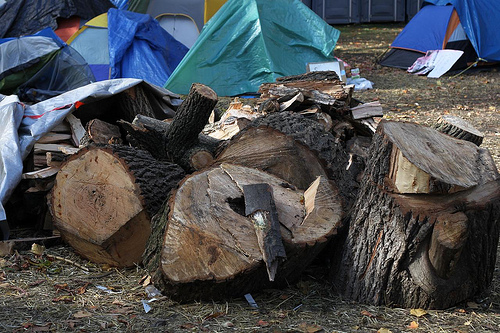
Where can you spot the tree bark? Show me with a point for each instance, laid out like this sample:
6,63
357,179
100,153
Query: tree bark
459,128
151,134
210,250
190,119
432,249
294,148
103,198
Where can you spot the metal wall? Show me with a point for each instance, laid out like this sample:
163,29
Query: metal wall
412,7
361,11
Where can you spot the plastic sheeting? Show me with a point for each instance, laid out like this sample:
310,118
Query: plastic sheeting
479,19
26,17
249,42
44,66
22,125
140,48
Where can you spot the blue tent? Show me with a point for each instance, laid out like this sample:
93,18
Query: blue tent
449,24
123,44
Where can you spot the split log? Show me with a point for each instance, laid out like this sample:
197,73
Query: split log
103,198
295,149
459,128
209,250
430,250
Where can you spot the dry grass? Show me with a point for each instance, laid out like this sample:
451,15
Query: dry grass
38,294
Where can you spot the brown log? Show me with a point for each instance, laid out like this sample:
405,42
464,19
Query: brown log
101,132
189,120
210,250
295,149
430,250
103,198
459,128
151,135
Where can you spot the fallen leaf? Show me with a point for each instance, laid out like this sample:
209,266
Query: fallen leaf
82,314
413,325
37,249
188,326
61,286
262,323
384,330
36,283
418,312
368,314
82,289
310,328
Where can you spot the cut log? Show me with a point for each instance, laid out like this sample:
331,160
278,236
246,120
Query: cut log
459,128
424,160
210,250
103,199
367,110
293,148
189,120
151,135
430,250
101,132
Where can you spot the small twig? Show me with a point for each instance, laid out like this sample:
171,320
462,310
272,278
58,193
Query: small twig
68,261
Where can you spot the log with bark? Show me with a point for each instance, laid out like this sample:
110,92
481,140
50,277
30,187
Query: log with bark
211,249
151,134
178,141
295,149
459,128
103,198
425,226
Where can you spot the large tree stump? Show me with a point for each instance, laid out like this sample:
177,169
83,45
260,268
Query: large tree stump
425,226
103,198
210,250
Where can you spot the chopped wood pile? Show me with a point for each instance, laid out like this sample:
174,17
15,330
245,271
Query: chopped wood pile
406,215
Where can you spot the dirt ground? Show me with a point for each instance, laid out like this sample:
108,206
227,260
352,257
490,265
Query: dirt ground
58,291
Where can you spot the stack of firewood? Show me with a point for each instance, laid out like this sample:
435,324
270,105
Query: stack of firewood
405,214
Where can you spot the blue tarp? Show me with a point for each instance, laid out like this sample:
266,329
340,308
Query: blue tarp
140,48
479,19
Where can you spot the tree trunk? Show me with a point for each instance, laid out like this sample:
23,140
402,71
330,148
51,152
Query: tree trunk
425,226
103,199
210,250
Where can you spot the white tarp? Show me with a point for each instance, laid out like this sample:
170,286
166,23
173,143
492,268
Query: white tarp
22,125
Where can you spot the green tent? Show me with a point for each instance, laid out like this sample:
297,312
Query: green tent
249,42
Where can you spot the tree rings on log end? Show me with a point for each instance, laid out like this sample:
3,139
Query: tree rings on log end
103,198
209,238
